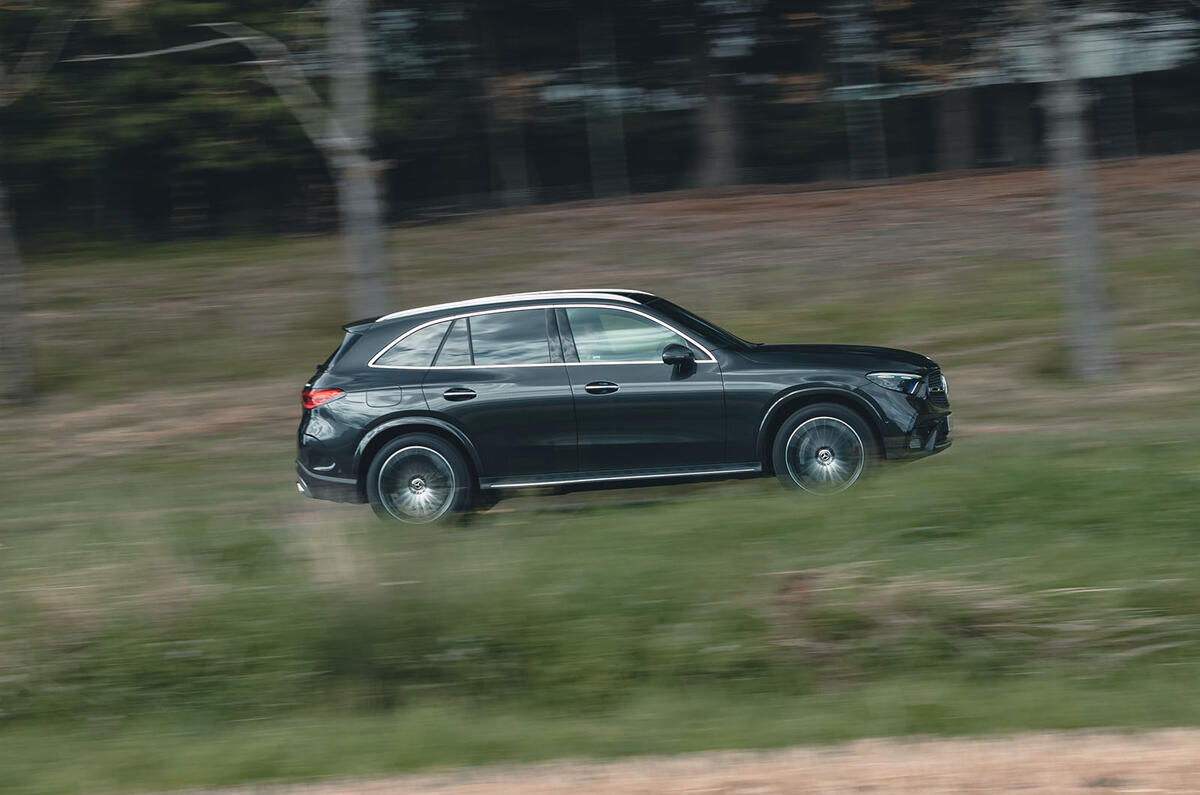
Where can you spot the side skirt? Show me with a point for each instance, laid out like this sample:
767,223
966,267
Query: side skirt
630,476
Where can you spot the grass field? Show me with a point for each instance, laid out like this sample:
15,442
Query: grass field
175,615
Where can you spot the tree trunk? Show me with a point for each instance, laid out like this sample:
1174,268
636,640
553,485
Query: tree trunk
717,162
16,337
956,140
1016,125
360,212
504,113
1118,118
16,370
605,124
359,200
855,40
716,125
506,146
1088,334
1087,319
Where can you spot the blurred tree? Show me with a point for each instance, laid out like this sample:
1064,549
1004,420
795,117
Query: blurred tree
347,147
42,50
339,128
694,54
940,47
1089,334
950,47
508,90
602,99
714,28
859,55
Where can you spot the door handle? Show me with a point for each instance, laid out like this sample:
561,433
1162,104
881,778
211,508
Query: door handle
601,388
458,393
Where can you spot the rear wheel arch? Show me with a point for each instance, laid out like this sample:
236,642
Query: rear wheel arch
379,437
787,405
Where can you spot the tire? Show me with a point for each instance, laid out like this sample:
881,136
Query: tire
418,479
824,449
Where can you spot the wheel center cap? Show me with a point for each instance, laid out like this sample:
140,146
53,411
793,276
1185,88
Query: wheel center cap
825,455
417,485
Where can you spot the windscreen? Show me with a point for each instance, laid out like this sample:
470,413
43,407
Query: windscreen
690,322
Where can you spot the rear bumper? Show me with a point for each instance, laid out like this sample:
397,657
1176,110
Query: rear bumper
322,487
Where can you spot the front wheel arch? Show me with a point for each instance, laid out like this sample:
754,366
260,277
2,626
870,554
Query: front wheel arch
785,407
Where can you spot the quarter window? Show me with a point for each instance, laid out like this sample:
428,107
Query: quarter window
505,338
610,335
456,350
415,350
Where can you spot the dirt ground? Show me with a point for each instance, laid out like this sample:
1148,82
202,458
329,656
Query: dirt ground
1088,762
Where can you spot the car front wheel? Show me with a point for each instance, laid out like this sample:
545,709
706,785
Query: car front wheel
823,449
418,479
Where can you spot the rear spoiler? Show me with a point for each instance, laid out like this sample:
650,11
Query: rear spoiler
359,326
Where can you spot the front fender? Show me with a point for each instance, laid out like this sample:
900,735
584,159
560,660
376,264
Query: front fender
787,401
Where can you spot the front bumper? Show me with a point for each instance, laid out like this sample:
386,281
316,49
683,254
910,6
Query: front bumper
930,434
323,487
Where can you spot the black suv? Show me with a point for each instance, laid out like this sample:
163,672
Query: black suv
444,408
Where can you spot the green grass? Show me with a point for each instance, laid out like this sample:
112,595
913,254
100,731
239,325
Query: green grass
175,615
994,588
170,752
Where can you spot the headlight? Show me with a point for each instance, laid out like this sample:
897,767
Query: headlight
899,382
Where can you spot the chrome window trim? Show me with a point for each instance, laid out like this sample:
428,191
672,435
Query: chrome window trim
570,294
571,305
690,473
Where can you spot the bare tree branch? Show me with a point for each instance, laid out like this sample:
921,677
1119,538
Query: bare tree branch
45,45
339,129
200,45
283,73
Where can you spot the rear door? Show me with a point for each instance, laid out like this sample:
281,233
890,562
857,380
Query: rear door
632,410
499,375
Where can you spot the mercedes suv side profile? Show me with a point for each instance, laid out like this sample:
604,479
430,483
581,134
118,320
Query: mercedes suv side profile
441,409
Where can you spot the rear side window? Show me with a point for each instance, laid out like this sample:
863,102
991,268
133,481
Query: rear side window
415,350
505,338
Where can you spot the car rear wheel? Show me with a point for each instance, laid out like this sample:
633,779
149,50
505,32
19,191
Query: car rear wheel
823,449
418,479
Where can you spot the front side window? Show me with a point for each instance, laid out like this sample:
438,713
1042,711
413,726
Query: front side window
505,338
610,335
415,350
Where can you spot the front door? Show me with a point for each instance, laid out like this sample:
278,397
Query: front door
634,412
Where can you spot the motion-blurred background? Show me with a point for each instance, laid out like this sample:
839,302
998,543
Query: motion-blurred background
194,196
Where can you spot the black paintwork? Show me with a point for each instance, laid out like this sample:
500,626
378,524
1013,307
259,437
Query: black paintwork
559,423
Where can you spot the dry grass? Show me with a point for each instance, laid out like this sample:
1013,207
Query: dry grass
847,623
1039,764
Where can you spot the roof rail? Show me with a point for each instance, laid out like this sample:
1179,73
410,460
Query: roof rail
609,294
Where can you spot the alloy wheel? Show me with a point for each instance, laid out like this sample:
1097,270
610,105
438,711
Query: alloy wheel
825,455
416,485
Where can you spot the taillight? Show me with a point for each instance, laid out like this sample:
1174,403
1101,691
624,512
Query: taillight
311,398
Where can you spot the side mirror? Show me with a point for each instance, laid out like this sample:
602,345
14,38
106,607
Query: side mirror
675,354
